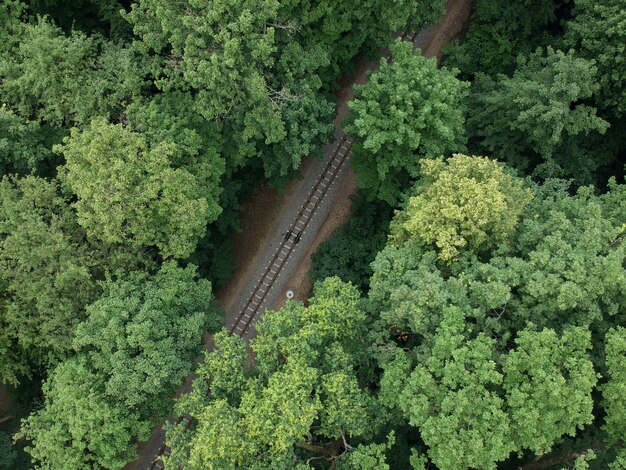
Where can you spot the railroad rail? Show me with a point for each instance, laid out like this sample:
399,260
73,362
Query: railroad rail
253,306
254,302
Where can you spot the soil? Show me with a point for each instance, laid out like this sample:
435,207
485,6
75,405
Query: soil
452,26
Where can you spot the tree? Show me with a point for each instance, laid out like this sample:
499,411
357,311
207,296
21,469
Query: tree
614,390
258,67
101,16
143,334
72,79
22,144
79,427
465,203
10,15
473,413
407,111
226,53
128,192
348,253
562,265
548,380
132,352
8,455
498,32
549,124
597,33
490,354
303,398
46,271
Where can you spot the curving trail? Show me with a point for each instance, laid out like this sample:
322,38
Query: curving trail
309,208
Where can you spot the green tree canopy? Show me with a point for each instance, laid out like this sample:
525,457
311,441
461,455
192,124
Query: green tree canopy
498,32
348,253
537,120
491,356
22,144
132,352
46,271
144,332
597,33
614,390
303,398
79,427
408,110
128,192
71,79
465,203
226,52
472,412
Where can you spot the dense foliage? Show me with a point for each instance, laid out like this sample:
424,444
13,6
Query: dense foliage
470,315
408,110
132,352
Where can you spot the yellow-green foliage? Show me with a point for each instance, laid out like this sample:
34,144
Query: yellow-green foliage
465,202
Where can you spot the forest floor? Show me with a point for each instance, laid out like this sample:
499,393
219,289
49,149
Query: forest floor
262,214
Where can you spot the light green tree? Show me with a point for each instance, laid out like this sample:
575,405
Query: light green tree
79,427
614,390
46,271
407,111
303,399
475,405
547,380
129,192
465,203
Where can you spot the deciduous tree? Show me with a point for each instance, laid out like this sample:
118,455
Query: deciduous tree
597,32
303,399
129,192
548,123
407,111
465,203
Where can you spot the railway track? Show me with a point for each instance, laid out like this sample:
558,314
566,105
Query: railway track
254,304
257,297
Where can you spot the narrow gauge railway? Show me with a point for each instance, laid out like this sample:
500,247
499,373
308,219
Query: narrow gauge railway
255,301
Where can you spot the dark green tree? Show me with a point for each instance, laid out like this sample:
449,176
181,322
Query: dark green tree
597,33
408,110
66,80
22,144
538,120
498,32
348,253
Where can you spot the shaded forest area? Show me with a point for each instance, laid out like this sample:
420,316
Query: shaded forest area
472,314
